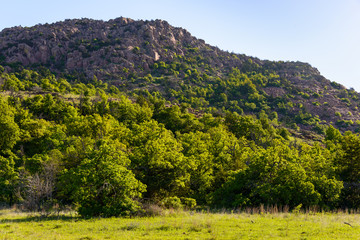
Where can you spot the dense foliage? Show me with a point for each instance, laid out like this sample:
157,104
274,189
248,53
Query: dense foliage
92,146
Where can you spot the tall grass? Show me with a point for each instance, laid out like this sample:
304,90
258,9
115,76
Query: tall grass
263,222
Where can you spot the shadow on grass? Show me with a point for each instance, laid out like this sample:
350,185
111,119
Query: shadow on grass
41,219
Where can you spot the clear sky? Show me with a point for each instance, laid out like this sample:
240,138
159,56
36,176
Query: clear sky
324,33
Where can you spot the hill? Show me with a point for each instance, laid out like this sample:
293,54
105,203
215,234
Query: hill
154,56
114,117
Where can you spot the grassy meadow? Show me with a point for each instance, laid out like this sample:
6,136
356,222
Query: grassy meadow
182,225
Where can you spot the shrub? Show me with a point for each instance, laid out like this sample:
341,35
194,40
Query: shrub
102,185
172,202
178,203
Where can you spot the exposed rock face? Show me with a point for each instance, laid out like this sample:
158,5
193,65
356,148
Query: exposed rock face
98,48
111,50
115,49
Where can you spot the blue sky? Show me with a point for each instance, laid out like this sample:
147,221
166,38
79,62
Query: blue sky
324,33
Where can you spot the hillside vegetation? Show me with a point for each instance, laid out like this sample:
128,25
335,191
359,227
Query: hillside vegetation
111,116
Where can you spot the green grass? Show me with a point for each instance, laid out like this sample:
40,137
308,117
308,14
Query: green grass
183,225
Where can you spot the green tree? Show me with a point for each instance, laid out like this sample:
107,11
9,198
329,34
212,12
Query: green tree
102,185
157,161
127,112
9,130
349,161
333,134
230,154
8,180
348,167
196,150
93,126
278,176
176,120
250,128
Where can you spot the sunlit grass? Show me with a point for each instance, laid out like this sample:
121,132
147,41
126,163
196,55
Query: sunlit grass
182,225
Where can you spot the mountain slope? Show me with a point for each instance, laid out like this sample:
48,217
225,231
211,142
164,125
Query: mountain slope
111,116
154,56
88,45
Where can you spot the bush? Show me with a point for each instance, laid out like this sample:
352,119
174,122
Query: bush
279,176
178,203
39,189
102,185
172,202
188,202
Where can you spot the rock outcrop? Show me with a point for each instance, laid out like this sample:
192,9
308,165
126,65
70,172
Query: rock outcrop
100,48
121,49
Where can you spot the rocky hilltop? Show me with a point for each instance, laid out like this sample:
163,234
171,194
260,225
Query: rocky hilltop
102,48
123,51
105,48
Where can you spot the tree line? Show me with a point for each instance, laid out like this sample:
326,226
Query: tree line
87,144
109,156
